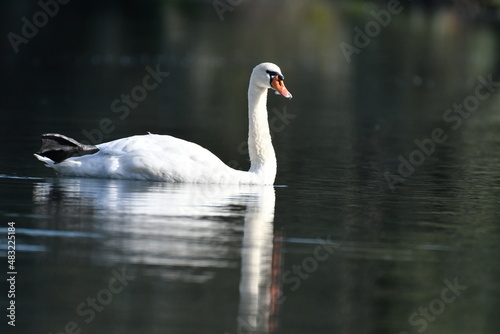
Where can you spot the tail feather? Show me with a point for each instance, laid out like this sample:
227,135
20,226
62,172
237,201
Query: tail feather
58,147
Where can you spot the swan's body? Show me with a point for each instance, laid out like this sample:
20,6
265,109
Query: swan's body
152,157
166,158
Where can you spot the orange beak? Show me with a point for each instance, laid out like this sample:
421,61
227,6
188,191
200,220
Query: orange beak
279,85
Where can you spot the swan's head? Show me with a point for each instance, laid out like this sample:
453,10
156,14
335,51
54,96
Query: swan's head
268,75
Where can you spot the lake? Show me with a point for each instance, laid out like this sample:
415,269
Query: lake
384,217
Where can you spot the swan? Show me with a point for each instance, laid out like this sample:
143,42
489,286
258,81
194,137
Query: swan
165,158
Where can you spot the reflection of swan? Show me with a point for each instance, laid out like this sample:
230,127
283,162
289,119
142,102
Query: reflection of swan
161,223
182,232
256,270
165,158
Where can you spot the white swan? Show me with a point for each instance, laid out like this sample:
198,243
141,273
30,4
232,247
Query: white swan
165,158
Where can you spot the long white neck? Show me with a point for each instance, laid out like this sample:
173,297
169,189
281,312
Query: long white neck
260,147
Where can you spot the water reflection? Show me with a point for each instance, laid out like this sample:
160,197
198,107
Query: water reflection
177,232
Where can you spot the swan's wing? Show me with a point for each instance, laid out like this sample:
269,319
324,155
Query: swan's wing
150,157
159,157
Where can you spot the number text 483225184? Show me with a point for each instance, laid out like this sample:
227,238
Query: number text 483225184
11,273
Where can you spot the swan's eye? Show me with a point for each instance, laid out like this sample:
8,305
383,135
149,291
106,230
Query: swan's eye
273,75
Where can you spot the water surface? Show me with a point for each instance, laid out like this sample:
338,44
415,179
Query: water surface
334,247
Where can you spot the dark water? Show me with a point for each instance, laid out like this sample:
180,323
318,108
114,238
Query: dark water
385,214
